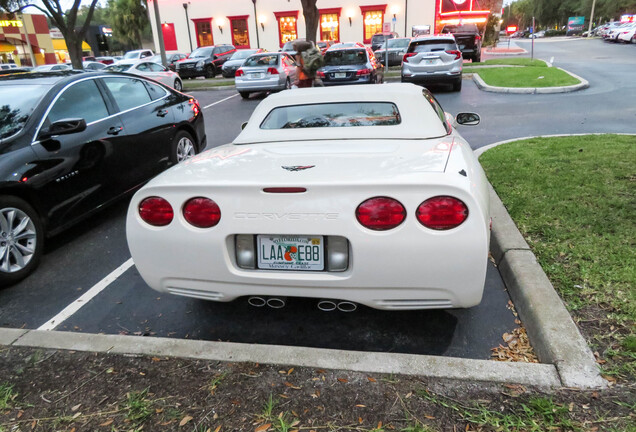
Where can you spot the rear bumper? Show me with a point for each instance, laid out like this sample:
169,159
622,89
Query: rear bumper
270,84
362,80
432,77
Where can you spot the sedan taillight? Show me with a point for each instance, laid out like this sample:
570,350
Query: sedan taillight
194,105
363,72
380,213
272,71
320,74
458,54
156,211
442,213
202,212
239,72
406,56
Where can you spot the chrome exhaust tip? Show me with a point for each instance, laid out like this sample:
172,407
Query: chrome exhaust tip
327,305
347,306
276,302
256,301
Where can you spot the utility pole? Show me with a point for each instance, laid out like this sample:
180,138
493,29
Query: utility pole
533,32
28,42
185,6
162,48
589,28
258,43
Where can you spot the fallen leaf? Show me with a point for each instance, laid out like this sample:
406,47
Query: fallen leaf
263,428
361,406
342,380
571,407
214,417
320,371
429,417
408,395
371,379
360,420
218,428
159,410
290,371
76,415
20,414
34,424
155,359
290,385
185,420
107,422
284,396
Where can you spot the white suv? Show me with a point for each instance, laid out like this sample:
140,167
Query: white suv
433,60
138,54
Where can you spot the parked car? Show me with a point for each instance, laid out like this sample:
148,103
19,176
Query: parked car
6,66
288,47
433,60
52,67
609,26
230,66
345,45
350,66
324,45
107,60
148,69
265,72
93,65
378,40
381,211
138,54
11,71
74,142
468,39
627,33
538,34
397,49
171,60
611,35
205,61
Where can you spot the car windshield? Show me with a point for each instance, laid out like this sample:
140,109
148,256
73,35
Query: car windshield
398,43
201,52
338,114
131,55
345,57
18,102
262,60
118,67
242,54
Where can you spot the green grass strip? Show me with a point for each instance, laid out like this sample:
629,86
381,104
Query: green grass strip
198,84
515,61
531,76
574,201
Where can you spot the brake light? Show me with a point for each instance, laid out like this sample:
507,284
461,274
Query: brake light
202,212
320,74
156,211
477,37
363,72
194,105
442,213
458,54
380,213
272,71
239,72
406,56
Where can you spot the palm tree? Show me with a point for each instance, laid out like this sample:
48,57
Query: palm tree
129,19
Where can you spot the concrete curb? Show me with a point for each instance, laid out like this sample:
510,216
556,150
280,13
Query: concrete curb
211,88
551,330
534,374
532,90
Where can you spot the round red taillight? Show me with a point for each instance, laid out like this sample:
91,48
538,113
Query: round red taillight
156,211
442,213
380,213
202,212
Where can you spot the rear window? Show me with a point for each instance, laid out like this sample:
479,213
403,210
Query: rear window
242,54
380,37
432,45
18,102
344,114
345,57
464,28
266,60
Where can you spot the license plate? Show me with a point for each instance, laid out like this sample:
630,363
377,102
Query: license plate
340,75
290,252
257,75
461,47
430,62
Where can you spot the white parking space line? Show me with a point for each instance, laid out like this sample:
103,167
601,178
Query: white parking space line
86,297
222,100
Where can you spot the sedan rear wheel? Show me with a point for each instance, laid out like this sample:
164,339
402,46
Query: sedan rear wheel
177,85
245,95
183,147
21,238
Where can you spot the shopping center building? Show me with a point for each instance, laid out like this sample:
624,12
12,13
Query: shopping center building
268,24
23,37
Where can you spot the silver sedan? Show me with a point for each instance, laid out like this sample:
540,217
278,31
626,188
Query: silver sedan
265,72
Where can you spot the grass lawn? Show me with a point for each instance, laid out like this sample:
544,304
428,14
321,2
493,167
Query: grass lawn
574,201
530,76
195,84
515,61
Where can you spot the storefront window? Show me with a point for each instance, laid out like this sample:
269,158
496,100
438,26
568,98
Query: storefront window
204,32
287,29
240,35
372,23
329,27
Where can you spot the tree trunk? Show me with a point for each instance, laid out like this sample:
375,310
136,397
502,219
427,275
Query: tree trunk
74,45
310,12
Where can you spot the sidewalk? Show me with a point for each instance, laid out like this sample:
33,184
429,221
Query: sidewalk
504,47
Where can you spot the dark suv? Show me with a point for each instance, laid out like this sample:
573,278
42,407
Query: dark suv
205,61
378,39
468,39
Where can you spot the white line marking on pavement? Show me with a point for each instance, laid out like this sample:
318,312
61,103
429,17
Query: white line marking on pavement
86,297
222,100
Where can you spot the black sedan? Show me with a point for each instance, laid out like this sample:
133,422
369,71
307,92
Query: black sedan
72,142
355,65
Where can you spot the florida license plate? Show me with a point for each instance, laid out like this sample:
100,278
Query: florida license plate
340,75
290,252
257,75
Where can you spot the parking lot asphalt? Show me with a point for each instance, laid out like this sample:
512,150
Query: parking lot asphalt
80,258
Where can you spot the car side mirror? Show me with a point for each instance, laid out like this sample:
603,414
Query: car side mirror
63,127
468,119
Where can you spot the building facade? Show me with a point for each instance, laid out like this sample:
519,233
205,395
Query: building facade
25,37
268,24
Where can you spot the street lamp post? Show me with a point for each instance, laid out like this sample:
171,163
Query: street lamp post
258,43
162,47
185,7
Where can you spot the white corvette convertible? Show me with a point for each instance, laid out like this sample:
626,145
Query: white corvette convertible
349,195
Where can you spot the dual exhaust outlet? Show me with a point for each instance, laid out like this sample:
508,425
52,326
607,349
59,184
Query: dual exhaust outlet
325,305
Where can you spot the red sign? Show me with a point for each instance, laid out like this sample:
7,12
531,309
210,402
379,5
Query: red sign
511,29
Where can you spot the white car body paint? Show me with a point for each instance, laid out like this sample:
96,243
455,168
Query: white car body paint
408,267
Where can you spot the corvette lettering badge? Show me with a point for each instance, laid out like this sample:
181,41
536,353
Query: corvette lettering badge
297,167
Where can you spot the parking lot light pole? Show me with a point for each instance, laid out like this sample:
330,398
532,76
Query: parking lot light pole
258,43
589,27
533,32
185,6
162,48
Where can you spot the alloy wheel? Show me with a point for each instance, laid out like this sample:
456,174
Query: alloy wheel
185,149
17,239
